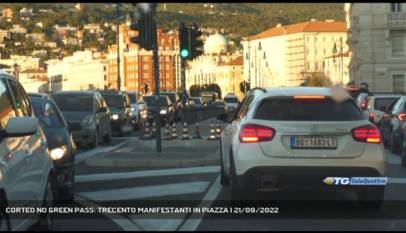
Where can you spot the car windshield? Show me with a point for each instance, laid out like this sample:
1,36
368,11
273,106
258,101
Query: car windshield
74,102
231,100
46,113
114,101
290,109
133,98
150,100
385,103
171,96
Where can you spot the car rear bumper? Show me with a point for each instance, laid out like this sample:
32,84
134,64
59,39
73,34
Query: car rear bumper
301,178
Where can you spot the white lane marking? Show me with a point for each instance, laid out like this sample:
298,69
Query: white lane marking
85,155
147,191
194,220
144,174
120,220
397,180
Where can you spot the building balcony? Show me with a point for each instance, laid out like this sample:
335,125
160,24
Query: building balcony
397,19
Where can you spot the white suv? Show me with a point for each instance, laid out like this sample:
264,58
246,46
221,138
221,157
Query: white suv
26,168
294,138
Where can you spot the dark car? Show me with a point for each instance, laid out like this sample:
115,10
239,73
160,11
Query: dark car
120,107
198,102
177,102
392,123
90,110
60,144
167,112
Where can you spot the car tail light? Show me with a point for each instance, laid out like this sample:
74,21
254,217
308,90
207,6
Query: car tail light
309,97
367,133
364,104
371,115
256,133
402,116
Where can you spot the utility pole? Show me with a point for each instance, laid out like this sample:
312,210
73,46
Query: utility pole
118,48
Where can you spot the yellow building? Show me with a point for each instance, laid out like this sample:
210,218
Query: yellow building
285,55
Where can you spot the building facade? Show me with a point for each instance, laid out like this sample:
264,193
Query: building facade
33,80
136,65
377,41
216,66
81,71
286,55
336,68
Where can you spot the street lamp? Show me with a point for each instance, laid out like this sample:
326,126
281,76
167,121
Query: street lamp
334,51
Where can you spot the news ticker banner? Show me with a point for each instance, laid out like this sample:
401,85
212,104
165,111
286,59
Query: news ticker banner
321,209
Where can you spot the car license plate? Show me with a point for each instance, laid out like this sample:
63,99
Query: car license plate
299,142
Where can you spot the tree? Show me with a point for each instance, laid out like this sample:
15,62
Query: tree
317,80
195,90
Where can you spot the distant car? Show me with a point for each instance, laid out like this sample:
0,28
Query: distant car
90,110
295,138
136,119
120,107
198,102
26,168
167,113
39,95
362,101
392,125
60,144
377,106
176,101
354,91
231,102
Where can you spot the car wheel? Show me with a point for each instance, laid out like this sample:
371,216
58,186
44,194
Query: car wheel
45,222
67,195
403,154
95,142
394,147
107,137
371,198
223,178
4,222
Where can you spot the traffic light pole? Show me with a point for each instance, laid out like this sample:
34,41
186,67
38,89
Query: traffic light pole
156,80
183,86
118,48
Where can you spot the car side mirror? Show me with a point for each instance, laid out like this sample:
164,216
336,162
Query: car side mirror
103,109
74,127
22,126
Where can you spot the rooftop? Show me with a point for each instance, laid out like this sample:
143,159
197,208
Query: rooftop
310,26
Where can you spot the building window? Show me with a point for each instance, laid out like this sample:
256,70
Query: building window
324,39
316,65
398,83
396,7
324,51
397,45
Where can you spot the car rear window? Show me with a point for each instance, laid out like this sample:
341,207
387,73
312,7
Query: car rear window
384,102
289,109
74,102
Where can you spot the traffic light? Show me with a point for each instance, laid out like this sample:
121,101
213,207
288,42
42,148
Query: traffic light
195,43
184,41
144,25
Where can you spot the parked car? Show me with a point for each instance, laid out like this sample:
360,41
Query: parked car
119,104
27,170
90,110
136,119
392,123
176,101
283,139
167,113
378,104
60,144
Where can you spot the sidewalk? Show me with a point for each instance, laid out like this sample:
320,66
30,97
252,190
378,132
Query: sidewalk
141,154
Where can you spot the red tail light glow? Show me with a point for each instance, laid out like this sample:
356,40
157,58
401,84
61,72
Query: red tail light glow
371,115
367,133
402,116
364,104
256,133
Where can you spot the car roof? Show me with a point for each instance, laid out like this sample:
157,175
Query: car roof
384,95
292,91
74,92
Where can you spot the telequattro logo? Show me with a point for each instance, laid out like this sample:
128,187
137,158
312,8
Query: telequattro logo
356,180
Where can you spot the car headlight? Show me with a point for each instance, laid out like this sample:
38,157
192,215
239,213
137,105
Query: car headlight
89,121
115,116
163,111
132,109
58,153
